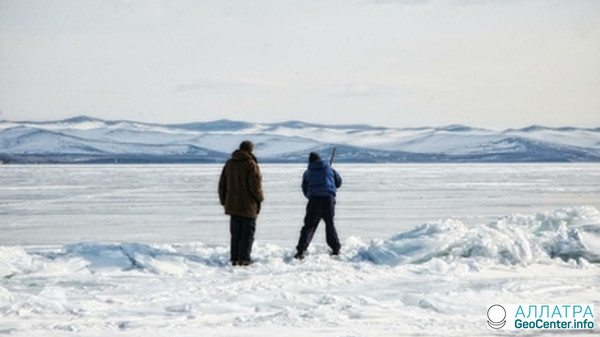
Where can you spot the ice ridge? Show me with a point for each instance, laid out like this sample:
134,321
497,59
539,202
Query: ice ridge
571,234
567,234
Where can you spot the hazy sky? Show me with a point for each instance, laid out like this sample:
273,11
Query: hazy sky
487,63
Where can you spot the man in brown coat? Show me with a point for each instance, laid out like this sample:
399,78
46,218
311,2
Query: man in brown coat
240,192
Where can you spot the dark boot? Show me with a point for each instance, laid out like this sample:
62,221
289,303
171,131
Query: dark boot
299,255
245,262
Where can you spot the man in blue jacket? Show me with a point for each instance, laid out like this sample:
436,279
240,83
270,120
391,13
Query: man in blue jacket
319,184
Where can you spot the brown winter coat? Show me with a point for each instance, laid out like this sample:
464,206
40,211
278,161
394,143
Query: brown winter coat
240,185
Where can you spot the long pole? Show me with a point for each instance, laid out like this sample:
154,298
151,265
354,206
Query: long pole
332,155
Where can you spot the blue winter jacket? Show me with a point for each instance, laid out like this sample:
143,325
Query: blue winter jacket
320,180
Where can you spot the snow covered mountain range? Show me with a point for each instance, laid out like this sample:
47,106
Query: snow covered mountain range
90,140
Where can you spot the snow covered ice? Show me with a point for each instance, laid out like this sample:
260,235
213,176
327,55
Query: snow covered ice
143,250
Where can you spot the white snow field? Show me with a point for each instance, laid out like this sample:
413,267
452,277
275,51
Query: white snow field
142,250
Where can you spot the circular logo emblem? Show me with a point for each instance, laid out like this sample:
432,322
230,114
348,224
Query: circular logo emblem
496,315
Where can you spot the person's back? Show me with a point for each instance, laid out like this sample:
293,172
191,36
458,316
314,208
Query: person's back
320,180
240,188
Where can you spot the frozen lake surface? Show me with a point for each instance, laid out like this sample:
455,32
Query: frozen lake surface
178,203
143,249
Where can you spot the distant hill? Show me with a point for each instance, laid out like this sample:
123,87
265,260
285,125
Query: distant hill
90,140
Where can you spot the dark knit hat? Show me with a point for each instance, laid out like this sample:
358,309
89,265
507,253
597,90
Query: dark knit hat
313,156
247,146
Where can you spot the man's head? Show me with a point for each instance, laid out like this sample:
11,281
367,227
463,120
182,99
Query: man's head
313,156
247,146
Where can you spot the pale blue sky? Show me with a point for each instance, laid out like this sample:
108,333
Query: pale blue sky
487,63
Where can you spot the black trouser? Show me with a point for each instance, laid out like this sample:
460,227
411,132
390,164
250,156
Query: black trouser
242,236
319,208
